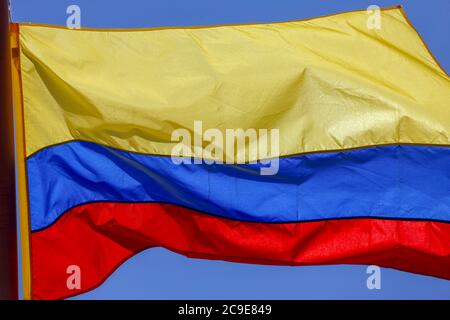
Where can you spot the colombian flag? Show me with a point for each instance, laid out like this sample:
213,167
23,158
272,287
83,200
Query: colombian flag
363,118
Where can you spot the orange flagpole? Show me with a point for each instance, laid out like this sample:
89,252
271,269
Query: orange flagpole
8,233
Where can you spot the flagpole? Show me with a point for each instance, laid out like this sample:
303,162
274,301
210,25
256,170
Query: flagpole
8,233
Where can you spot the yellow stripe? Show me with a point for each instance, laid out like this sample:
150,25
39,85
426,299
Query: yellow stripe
20,158
399,7
328,83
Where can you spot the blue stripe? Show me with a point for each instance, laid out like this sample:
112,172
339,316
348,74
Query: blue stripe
399,182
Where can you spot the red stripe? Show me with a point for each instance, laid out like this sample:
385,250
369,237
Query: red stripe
98,237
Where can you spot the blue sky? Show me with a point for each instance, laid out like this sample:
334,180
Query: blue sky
160,274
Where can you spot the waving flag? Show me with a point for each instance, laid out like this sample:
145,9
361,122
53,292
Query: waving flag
362,121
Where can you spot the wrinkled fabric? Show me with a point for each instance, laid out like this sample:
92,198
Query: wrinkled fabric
396,182
327,84
101,236
363,122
